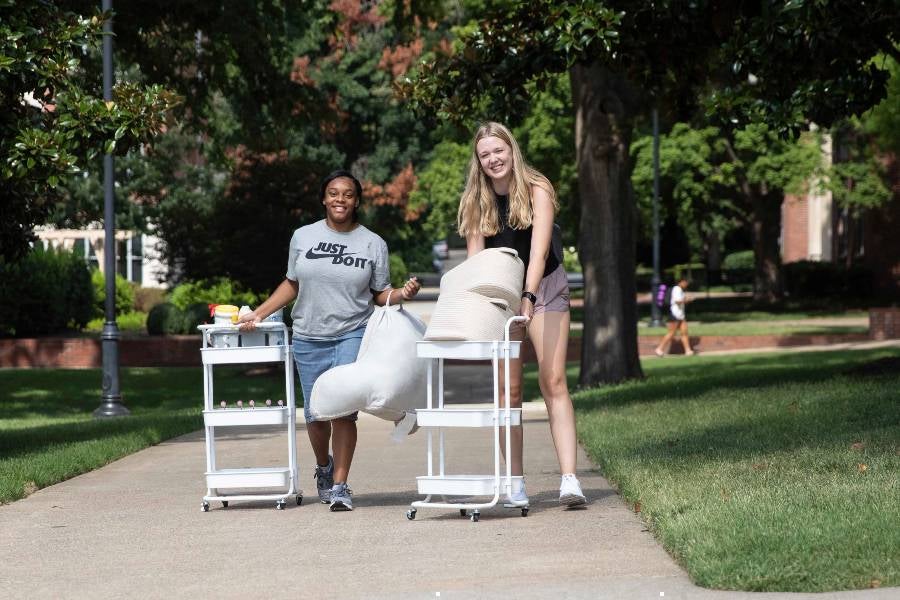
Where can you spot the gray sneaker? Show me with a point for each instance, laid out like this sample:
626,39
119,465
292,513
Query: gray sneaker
324,480
341,497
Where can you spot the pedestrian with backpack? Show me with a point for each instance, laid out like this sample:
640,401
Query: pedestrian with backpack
672,300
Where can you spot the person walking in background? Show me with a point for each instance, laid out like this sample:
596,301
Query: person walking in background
507,203
677,320
337,269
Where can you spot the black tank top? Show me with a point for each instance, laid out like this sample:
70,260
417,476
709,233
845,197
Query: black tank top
520,239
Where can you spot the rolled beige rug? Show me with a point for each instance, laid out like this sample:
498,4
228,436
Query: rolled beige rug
468,316
493,272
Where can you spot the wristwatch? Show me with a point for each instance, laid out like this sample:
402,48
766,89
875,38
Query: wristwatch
530,296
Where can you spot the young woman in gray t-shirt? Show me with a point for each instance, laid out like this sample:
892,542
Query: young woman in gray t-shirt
337,271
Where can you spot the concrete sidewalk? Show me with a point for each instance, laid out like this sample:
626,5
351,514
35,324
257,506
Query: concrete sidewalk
135,529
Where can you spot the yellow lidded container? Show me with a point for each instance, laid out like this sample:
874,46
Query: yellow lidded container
226,314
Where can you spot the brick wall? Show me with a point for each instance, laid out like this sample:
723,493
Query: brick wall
795,233
884,323
81,353
184,351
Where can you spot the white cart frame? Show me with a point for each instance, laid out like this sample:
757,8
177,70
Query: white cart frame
438,417
222,345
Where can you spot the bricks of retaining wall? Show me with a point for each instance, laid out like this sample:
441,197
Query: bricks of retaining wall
184,351
884,323
84,353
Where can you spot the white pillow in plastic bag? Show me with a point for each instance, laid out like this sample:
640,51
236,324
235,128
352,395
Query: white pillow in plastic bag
387,380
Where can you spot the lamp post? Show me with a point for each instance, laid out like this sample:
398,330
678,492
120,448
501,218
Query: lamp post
111,401
655,320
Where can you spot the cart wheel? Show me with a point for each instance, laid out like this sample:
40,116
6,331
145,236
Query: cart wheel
525,511
463,513
224,503
279,505
411,514
205,506
475,515
299,499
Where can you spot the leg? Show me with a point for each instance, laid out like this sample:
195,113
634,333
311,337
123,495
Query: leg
685,338
319,436
344,445
663,347
549,332
515,392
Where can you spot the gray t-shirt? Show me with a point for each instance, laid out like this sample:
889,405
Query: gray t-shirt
335,271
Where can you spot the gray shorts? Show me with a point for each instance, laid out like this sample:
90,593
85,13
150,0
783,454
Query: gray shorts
553,292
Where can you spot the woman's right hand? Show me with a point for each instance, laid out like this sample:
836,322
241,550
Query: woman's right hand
249,321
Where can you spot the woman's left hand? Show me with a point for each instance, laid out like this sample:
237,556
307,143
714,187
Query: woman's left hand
526,309
410,289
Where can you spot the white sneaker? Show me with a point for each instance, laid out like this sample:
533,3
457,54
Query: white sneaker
570,491
517,499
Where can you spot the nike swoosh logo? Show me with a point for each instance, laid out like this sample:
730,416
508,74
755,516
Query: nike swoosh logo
312,255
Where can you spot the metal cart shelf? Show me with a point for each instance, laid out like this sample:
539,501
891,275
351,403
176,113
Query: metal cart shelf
438,417
224,345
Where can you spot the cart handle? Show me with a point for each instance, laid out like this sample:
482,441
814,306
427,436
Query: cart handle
508,324
207,330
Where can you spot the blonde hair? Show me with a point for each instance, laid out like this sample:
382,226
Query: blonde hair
477,208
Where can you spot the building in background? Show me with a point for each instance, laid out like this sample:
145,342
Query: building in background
816,228
137,255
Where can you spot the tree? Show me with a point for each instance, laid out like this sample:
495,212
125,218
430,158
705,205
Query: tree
52,119
721,177
276,96
774,62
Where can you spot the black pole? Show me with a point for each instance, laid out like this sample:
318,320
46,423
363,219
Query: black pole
111,401
655,320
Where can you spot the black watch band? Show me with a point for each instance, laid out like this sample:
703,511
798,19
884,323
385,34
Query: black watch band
530,296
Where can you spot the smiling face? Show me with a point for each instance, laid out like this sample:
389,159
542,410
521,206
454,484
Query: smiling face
495,157
340,201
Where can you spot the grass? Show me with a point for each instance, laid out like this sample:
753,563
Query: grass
760,472
750,328
717,310
47,433
773,327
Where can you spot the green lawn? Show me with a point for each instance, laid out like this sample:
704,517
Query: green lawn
47,433
772,327
760,472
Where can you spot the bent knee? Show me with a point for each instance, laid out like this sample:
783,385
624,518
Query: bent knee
554,383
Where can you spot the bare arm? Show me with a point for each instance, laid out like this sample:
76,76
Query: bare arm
407,292
284,293
474,244
541,233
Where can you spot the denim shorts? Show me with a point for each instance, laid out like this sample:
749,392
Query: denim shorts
314,357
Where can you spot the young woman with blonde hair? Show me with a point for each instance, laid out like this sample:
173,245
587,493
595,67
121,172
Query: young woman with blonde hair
508,203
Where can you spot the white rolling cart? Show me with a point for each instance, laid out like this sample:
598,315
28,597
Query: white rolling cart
224,345
437,416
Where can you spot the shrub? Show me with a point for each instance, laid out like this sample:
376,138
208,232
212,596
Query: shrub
45,292
124,294
146,298
811,279
399,272
131,321
212,291
193,315
570,260
738,260
165,319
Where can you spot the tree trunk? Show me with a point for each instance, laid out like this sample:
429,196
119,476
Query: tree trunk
767,281
604,105
713,258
